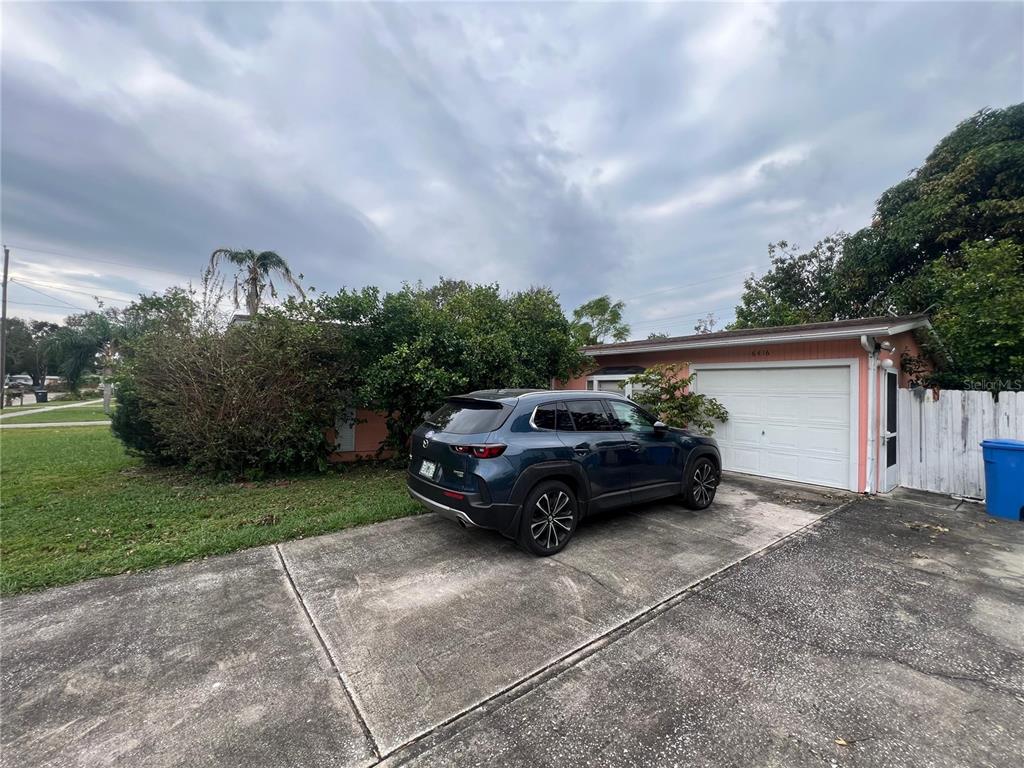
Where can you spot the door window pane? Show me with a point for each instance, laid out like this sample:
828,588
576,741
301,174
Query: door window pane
890,401
629,418
589,416
564,420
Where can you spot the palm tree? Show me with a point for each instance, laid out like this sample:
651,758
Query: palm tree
253,274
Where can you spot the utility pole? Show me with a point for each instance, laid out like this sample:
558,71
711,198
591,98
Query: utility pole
3,334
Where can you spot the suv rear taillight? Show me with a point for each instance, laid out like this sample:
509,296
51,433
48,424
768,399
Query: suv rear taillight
489,451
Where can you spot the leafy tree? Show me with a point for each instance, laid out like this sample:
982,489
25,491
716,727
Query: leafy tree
706,324
797,289
27,350
979,294
599,320
656,335
921,251
76,344
254,275
418,345
663,390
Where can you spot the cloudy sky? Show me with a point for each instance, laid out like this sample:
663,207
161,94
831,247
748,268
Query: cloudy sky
649,152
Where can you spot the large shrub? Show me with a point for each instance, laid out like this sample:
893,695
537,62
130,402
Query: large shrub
664,391
248,399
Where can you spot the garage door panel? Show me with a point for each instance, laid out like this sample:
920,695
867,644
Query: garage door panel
723,381
791,423
742,459
824,380
740,405
829,409
806,438
779,464
745,433
821,471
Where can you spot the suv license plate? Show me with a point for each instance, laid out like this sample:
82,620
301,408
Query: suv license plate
427,469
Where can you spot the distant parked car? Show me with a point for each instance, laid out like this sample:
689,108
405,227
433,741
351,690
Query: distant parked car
532,463
18,380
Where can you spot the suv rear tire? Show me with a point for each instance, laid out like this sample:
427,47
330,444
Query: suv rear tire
549,518
700,485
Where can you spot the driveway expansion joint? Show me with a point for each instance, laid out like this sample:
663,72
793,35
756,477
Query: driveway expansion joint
449,728
367,733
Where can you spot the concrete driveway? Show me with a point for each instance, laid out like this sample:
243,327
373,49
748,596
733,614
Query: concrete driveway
756,632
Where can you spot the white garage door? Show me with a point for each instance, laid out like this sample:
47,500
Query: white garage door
790,423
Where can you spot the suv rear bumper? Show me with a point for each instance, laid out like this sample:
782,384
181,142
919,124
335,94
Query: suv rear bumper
456,515
467,509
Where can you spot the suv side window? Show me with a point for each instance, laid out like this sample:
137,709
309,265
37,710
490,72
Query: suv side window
563,419
630,418
544,416
590,416
553,416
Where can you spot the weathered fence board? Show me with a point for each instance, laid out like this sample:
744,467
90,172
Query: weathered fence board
940,439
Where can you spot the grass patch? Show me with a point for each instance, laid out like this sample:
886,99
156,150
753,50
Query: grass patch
75,507
82,413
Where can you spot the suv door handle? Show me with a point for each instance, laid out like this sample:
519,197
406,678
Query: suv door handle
582,449
635,447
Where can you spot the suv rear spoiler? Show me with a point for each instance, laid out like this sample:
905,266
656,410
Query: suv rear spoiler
478,402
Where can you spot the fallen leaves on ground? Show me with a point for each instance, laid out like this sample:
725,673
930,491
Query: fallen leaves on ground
917,525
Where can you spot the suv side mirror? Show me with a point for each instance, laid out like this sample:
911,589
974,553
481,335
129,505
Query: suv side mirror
660,426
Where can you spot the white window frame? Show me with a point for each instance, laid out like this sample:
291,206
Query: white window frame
345,431
627,389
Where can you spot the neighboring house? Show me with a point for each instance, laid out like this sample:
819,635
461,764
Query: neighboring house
813,403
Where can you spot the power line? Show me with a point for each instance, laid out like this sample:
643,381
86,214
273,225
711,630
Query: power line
26,283
55,306
688,285
681,317
92,259
44,293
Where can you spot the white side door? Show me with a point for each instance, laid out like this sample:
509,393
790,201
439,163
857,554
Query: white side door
889,453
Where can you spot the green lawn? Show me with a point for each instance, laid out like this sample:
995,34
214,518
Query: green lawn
83,413
74,506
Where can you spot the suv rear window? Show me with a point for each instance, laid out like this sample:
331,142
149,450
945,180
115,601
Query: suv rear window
463,417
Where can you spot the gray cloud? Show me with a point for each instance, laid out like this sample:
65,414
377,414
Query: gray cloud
594,148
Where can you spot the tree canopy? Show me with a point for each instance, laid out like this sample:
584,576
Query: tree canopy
418,345
599,320
932,238
254,275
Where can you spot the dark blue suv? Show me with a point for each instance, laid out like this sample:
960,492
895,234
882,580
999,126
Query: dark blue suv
532,463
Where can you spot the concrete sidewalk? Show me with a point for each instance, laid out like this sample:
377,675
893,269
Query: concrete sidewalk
45,424
11,413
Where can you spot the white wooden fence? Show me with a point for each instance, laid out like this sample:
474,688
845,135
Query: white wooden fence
939,440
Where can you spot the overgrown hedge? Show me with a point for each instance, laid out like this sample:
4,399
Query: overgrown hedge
250,399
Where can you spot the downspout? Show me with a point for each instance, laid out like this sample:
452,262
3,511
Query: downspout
868,342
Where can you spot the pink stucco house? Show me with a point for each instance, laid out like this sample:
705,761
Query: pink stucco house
813,403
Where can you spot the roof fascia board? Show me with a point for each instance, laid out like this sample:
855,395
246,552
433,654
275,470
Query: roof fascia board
851,332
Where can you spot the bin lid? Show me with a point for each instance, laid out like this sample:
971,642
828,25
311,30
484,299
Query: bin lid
1006,445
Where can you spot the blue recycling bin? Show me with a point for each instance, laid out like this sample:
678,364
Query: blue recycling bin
1004,478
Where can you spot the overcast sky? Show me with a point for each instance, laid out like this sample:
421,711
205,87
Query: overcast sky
649,152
